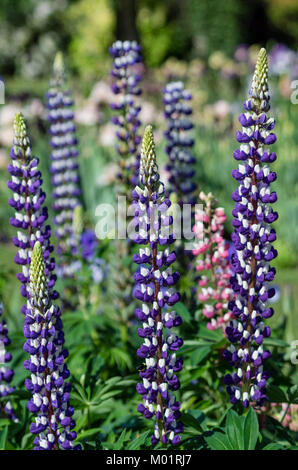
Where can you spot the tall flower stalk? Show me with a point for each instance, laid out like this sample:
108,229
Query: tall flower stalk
126,78
180,143
154,288
126,88
213,262
30,212
253,237
6,374
43,329
43,326
64,167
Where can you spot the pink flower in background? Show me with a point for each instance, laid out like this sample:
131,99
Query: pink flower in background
212,251
285,413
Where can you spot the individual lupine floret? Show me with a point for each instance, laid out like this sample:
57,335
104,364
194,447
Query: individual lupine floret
126,56
64,168
213,262
6,374
155,279
252,237
43,329
30,212
181,159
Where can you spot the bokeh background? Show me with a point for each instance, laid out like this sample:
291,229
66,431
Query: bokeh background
209,44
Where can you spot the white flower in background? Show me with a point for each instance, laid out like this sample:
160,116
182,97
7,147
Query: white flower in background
148,112
7,114
88,114
222,108
101,93
108,176
6,136
106,136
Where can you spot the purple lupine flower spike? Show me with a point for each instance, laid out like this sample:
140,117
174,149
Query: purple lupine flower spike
154,287
252,237
43,328
179,149
6,374
126,88
30,212
65,167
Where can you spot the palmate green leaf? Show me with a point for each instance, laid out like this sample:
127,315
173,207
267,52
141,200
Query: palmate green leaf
26,441
184,313
283,395
89,432
120,358
124,436
4,422
212,335
293,394
108,395
218,441
3,437
199,354
275,432
251,430
138,442
80,394
192,422
103,407
235,430
276,394
19,394
108,385
275,342
274,446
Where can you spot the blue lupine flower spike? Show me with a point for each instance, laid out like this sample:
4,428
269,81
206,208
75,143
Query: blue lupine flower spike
64,168
127,56
253,237
154,288
181,159
6,374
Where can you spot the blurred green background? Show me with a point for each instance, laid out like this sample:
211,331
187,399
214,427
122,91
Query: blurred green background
209,44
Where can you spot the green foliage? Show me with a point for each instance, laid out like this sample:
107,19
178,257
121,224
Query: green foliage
240,433
92,23
162,31
208,21
284,16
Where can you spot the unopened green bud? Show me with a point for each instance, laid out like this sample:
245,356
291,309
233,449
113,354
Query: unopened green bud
259,87
148,167
77,221
38,282
21,138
